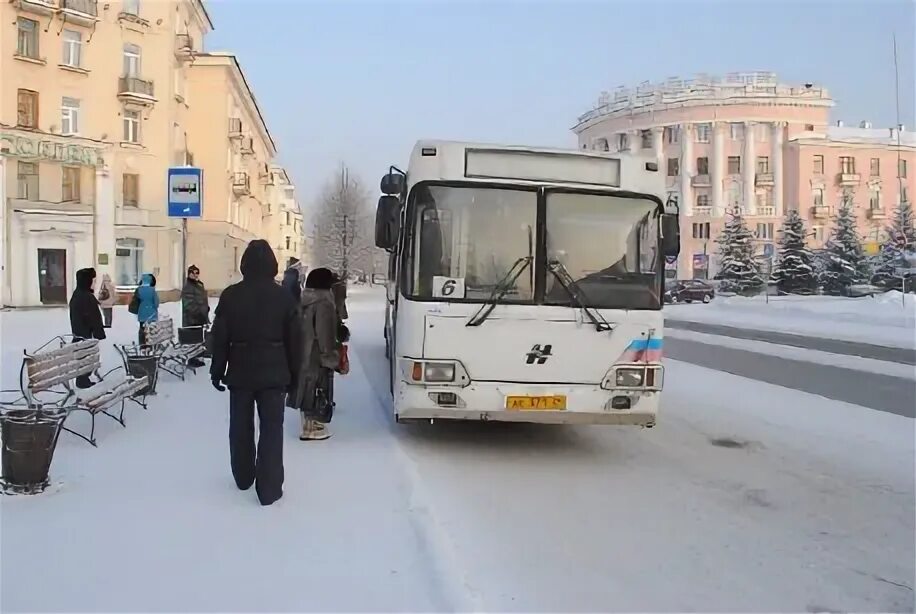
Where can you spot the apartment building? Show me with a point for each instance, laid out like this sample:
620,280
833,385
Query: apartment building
286,230
231,142
92,113
751,142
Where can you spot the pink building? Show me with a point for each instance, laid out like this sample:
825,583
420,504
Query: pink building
748,141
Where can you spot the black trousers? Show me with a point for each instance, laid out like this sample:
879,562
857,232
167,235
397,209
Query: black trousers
261,465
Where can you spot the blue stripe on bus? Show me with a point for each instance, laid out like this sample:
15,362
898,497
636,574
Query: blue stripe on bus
645,344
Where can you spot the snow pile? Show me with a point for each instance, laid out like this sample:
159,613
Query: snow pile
881,320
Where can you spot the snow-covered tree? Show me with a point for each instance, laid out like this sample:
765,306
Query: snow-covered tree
739,269
342,237
794,272
845,262
901,238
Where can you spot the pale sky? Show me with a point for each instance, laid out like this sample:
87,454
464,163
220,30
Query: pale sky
360,81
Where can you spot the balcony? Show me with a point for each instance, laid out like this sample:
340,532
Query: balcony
81,12
702,210
36,7
877,214
848,179
247,147
765,179
235,128
184,45
820,212
136,89
700,181
241,184
766,211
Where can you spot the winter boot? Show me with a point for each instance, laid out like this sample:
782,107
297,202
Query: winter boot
313,431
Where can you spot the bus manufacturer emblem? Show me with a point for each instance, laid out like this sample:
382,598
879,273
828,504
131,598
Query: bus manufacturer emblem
538,354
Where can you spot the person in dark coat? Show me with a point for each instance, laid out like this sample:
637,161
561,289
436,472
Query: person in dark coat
320,357
256,342
291,280
85,315
195,306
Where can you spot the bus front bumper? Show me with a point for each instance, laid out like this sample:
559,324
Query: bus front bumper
584,405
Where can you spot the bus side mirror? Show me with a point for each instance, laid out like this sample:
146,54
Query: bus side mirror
386,222
671,235
393,184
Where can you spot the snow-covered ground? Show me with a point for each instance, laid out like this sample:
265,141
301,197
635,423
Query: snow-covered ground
814,511
882,320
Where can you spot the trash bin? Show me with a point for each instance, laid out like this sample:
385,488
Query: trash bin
29,440
144,365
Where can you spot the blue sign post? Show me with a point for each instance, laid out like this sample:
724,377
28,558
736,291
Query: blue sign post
185,199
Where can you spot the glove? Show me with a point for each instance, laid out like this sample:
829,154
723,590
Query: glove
217,383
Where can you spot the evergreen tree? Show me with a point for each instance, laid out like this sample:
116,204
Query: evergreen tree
739,270
794,272
901,238
845,262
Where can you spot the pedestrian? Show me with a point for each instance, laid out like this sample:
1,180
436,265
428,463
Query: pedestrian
195,307
85,315
291,279
108,298
256,342
145,304
320,354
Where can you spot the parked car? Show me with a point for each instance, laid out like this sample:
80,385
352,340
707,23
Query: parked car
860,290
689,290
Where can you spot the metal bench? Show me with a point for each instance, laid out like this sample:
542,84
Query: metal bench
174,357
46,381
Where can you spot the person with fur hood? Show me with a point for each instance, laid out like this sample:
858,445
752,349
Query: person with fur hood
322,334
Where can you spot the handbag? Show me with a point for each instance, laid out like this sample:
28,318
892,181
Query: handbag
322,409
343,364
134,306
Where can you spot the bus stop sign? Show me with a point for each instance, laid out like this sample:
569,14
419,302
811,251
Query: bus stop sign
185,189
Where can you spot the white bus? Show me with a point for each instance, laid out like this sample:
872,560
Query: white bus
525,284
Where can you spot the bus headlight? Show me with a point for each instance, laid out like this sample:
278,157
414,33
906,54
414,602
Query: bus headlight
630,378
434,372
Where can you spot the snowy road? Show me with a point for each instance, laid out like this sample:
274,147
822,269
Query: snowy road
746,497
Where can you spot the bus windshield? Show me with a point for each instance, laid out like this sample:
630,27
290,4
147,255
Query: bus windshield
608,245
466,243
473,235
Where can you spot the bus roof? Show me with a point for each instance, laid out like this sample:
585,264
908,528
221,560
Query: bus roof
433,160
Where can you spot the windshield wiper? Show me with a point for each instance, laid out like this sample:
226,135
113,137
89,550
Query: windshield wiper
565,279
505,284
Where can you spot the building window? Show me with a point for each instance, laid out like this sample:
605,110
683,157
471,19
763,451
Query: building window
672,134
623,141
701,230
128,261
131,66
27,108
765,198
733,195
131,126
703,166
818,165
288,243
904,194
674,167
818,232
847,165
130,189
763,165
901,169
703,132
702,201
27,180
765,231
645,139
809,127
734,165
70,184
132,7
874,200
818,197
874,168
70,116
27,40
73,46
736,131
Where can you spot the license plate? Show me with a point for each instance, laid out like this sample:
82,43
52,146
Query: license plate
556,402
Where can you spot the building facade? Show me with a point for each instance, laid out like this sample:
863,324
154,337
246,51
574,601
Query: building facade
747,141
286,230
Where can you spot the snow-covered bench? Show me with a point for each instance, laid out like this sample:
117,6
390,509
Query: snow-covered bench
47,374
174,357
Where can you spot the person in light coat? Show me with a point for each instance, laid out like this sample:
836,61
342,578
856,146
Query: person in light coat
108,298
